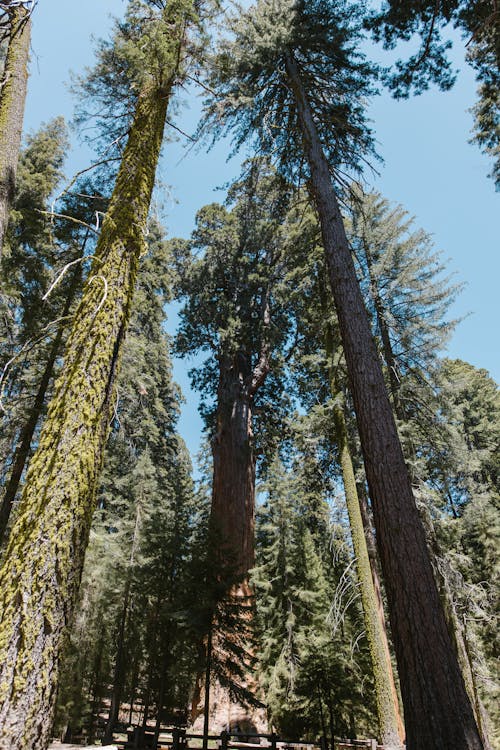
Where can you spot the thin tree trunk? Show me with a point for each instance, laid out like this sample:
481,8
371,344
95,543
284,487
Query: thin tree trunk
26,435
161,692
133,689
389,718
12,100
437,708
116,692
44,558
206,703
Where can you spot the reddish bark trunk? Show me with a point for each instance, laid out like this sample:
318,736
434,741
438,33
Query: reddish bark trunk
438,712
233,490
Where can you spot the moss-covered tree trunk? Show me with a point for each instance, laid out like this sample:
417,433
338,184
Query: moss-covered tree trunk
44,558
12,99
438,712
23,447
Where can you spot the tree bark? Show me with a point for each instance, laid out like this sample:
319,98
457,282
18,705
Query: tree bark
44,558
26,435
233,489
116,691
12,100
389,718
438,712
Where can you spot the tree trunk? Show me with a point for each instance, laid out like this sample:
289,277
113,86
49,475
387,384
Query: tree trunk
232,513
454,625
437,708
389,718
12,99
26,435
44,558
117,688
233,490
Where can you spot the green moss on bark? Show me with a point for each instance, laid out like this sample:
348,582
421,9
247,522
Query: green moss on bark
12,99
44,558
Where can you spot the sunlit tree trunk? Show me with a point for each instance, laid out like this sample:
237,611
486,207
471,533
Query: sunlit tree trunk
438,713
44,557
232,517
25,439
12,99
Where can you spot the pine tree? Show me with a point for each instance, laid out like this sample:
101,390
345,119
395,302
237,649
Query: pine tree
318,371
295,63
46,548
306,607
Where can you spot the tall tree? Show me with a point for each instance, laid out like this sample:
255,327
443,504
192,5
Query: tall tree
295,63
233,311
320,380
46,549
13,86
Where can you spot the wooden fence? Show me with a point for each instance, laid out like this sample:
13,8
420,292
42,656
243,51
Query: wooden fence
144,739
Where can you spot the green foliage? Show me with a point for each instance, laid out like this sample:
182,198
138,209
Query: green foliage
478,23
232,275
313,659
255,101
142,52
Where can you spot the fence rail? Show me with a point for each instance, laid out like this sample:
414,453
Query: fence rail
139,738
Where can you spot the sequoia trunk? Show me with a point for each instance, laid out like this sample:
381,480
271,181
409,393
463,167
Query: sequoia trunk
12,100
232,530
44,557
438,712
233,491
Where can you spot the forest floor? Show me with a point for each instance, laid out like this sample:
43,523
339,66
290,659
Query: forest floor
64,746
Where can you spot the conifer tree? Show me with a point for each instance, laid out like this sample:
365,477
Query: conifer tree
33,325
292,79
319,375
306,607
234,311
135,578
13,86
45,555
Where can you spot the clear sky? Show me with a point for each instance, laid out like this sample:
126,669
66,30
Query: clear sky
430,168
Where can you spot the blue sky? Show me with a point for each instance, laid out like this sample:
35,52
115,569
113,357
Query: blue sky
429,167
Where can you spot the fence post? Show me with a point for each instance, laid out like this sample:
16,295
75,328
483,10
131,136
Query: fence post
224,739
373,744
274,737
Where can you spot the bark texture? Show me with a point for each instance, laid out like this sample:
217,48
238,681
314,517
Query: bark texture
28,430
44,558
389,718
438,712
233,490
12,100
232,520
